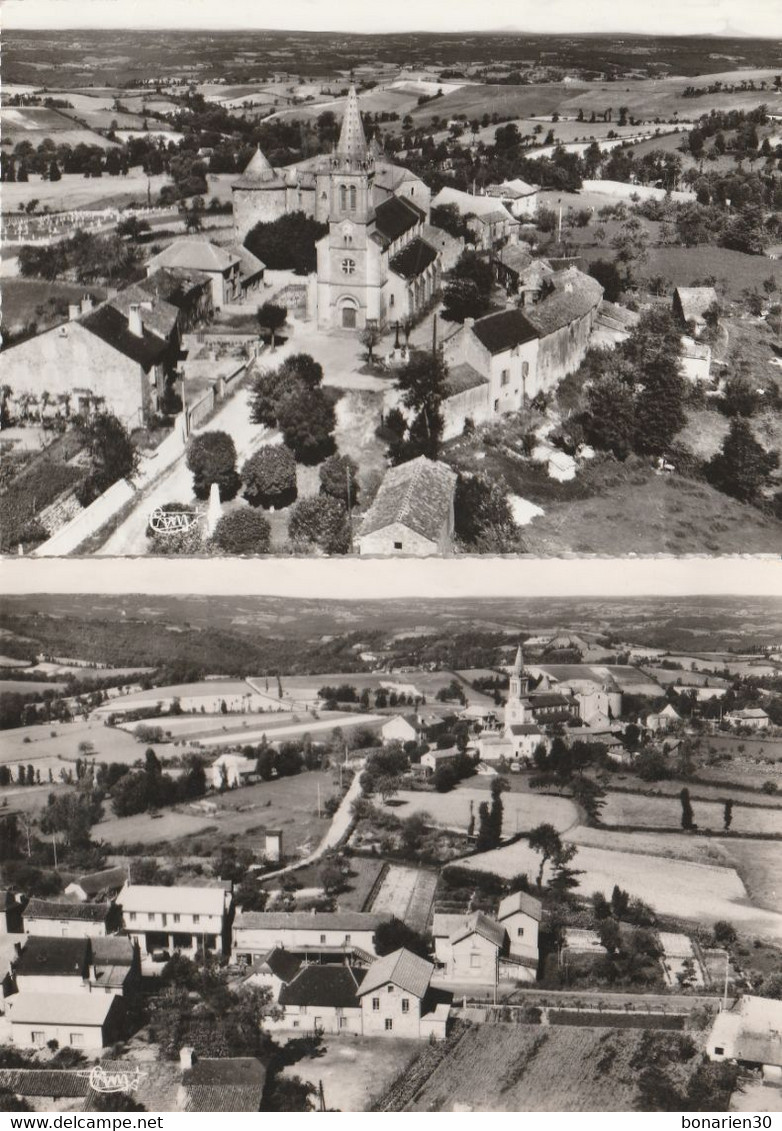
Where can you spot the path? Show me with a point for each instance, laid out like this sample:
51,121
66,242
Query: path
339,826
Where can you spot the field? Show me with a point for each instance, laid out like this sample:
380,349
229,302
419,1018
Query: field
406,893
521,811
760,866
672,788
26,300
353,1070
665,812
289,804
682,888
523,1068
34,123
74,191
24,686
53,745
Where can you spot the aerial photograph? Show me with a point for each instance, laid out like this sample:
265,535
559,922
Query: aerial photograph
352,289
498,854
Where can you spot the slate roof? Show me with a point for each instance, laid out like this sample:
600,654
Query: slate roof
249,265
480,924
112,950
395,216
305,920
173,287
503,331
545,699
59,909
695,301
525,728
463,377
54,956
196,255
515,258
520,901
403,968
414,259
160,316
111,326
282,963
334,986
574,296
417,494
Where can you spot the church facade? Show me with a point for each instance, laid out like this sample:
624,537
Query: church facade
375,264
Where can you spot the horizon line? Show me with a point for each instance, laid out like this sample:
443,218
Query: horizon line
733,34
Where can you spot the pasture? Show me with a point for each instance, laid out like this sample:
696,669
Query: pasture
665,812
26,300
55,746
74,191
25,686
289,804
523,1068
521,811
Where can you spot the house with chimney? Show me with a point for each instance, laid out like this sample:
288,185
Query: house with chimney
69,919
398,1000
481,949
233,271
189,920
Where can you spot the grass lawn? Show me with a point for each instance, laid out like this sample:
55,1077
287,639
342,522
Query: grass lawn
355,1069
56,745
36,300
289,804
502,1067
759,863
733,270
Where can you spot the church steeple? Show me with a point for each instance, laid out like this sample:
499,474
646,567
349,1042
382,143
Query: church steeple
518,666
352,145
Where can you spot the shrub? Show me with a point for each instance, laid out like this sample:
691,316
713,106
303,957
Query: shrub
269,477
243,531
320,521
335,473
212,459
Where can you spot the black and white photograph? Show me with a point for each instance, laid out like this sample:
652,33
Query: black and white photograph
475,279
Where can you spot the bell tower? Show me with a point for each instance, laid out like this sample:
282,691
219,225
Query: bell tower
352,170
519,687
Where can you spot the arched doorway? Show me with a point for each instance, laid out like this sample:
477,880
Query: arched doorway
348,314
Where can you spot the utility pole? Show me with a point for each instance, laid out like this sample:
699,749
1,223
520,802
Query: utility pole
727,971
559,225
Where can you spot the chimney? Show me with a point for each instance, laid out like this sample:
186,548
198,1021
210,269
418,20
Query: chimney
135,324
186,1056
86,304
74,310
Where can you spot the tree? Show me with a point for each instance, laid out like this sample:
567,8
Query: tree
271,318
445,778
339,478
111,453
54,171
610,420
742,467
269,477
331,878
652,355
687,815
724,934
546,840
727,814
422,384
320,521
243,531
211,456
188,540
468,293
610,935
607,274
307,420
387,785
370,337
483,518
287,243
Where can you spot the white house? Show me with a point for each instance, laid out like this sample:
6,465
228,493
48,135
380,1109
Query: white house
750,1033
525,739
54,966
663,720
188,919
520,914
273,971
232,770
397,999
468,947
520,198
401,728
321,999
435,758
67,920
80,1021
753,717
255,933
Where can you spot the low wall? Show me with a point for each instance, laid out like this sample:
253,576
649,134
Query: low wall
623,191
85,524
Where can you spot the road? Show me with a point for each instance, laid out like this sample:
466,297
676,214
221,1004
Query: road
339,826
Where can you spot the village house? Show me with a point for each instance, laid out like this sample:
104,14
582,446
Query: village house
397,999
753,717
491,223
69,919
232,770
564,319
690,306
520,198
336,933
272,971
54,966
665,719
231,274
219,1084
750,1034
433,759
520,914
80,1021
401,728
468,948
115,966
321,999
412,513
102,885
192,920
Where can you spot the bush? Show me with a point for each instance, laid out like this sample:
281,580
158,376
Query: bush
189,541
269,477
307,420
243,531
212,459
320,521
335,474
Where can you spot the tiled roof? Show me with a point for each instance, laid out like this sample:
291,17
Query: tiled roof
158,316
545,699
111,326
520,901
78,1008
51,1082
480,924
173,287
503,331
334,986
230,1084
195,255
515,258
249,265
395,216
462,377
282,963
117,950
190,900
306,921
54,956
403,969
51,909
417,494
575,295
414,259
108,879
525,728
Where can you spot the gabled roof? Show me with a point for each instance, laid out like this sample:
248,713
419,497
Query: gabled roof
54,957
282,963
108,879
479,206
417,494
480,924
195,254
520,901
413,259
525,728
111,326
174,287
306,921
112,950
68,1009
190,900
695,301
335,986
514,257
404,969
574,296
224,1084
157,315
249,265
503,331
62,909
54,1083
395,216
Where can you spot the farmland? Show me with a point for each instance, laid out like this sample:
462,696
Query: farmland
663,812
406,893
502,1067
55,745
522,811
45,302
74,191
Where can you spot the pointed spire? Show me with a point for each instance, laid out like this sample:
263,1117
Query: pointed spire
518,666
352,140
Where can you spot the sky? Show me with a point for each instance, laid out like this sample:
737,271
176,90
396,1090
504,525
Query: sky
366,579
664,17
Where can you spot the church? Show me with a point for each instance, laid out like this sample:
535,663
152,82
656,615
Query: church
375,265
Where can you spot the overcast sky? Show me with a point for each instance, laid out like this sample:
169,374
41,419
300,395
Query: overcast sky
664,17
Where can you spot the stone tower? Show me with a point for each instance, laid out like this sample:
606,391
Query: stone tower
259,196
519,687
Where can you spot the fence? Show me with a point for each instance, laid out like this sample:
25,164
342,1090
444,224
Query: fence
199,411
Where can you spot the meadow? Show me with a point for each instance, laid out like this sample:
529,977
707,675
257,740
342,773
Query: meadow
665,812
521,811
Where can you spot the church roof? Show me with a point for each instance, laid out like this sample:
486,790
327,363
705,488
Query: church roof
413,259
395,216
352,139
259,174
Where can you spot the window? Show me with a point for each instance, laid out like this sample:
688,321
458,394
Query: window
397,545
177,918
392,301
375,1004
196,918
519,932
504,377
150,917
390,989
405,1005
322,939
475,960
352,198
343,1022
347,940
389,1024
77,1040
343,197
496,406
525,369
348,266
37,1037
719,1051
132,916
296,1025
